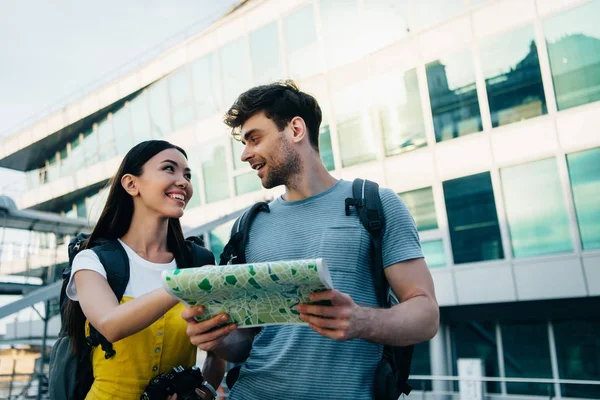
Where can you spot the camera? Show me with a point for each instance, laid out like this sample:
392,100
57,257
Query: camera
181,381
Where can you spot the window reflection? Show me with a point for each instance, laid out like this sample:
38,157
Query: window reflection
160,116
140,120
122,129
535,209
513,77
301,43
181,98
235,76
398,109
573,40
584,171
264,51
205,80
341,23
422,208
472,219
325,147
453,96
106,140
215,172
434,253
354,132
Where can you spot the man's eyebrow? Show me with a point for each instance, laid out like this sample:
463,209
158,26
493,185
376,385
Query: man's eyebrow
250,132
174,163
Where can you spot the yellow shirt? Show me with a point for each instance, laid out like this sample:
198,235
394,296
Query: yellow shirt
140,357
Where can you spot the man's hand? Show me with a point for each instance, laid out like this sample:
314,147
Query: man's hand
341,320
206,335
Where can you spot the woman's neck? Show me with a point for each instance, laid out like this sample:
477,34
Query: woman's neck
147,235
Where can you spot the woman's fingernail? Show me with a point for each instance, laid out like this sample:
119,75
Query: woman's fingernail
224,318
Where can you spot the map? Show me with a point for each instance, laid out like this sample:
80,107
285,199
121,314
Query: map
251,294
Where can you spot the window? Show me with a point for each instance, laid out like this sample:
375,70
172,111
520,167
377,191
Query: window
573,40
340,30
535,209
301,43
398,109
584,171
526,355
453,96
235,75
81,210
246,183
237,148
577,348
181,98
90,147
357,144
160,116
140,120
477,340
421,365
513,77
385,22
106,140
325,147
472,219
214,171
422,208
219,237
434,253
122,130
430,12
264,51
205,80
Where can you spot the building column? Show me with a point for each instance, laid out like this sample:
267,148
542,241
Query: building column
438,357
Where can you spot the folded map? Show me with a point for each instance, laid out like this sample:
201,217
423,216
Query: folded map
255,294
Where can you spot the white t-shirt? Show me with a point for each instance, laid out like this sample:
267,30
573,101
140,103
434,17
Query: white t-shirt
144,276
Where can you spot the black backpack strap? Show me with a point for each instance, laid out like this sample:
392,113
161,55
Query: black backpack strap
234,251
366,200
116,263
200,255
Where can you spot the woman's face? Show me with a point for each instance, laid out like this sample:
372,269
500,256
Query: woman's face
165,185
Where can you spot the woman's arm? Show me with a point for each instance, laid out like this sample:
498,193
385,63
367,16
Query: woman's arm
113,320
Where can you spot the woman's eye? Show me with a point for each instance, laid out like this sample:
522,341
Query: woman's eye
188,177
169,168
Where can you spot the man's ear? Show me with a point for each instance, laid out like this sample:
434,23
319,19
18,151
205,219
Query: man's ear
299,131
129,183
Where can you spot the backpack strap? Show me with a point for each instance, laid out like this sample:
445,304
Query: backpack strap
200,255
366,200
116,263
234,251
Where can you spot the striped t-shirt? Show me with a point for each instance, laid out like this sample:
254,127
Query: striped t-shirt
293,362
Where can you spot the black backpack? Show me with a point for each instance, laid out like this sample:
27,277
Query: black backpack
71,375
392,373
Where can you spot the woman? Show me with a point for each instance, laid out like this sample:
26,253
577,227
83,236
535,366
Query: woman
146,199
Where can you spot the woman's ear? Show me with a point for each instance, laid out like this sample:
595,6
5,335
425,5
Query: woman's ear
129,183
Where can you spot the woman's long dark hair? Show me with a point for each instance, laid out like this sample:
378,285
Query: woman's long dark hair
115,221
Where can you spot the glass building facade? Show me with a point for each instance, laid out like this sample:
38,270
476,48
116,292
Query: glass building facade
483,136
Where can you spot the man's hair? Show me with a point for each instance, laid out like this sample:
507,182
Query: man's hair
281,102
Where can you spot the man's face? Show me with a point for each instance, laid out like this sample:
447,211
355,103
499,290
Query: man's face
269,151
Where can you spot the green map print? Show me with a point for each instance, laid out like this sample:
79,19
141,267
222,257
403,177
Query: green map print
252,294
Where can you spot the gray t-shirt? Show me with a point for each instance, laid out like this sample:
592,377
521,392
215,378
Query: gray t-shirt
292,361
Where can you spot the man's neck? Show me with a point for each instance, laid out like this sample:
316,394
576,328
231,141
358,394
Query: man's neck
312,180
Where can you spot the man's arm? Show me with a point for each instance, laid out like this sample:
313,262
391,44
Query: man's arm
213,336
414,320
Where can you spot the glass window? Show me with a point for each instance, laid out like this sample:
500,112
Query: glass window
237,148
421,365
430,12
205,78
422,207
513,77
76,157
219,237
584,171
398,109
434,253
215,173
95,205
81,210
385,22
535,209
573,40
140,120
181,98
195,200
90,147
477,340
453,96
325,147
340,31
106,140
301,43
160,115
235,75
354,132
246,183
472,219
526,355
577,348
264,51
122,129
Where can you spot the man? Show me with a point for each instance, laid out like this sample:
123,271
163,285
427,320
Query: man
335,356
